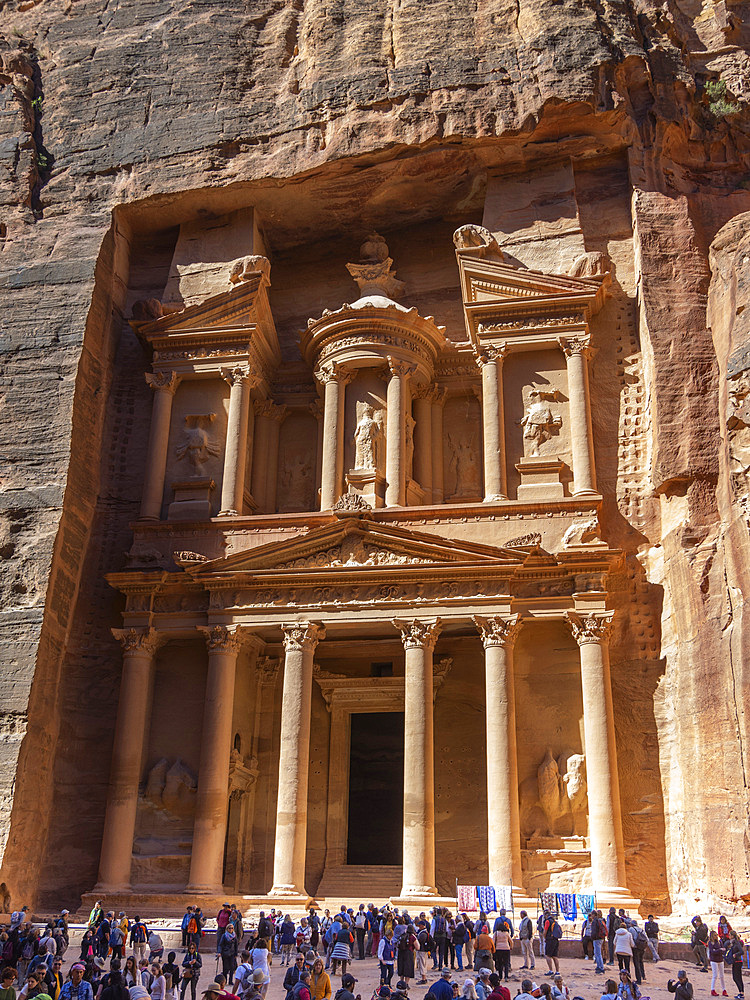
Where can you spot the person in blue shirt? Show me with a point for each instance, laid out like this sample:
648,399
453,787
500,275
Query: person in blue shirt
77,988
501,919
442,989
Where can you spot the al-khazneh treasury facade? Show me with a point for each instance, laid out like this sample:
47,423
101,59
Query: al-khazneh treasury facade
346,573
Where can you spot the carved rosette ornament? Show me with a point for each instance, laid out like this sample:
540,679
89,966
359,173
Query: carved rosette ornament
497,631
220,638
416,633
576,345
163,381
302,636
592,627
136,640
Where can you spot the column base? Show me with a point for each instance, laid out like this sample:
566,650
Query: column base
617,896
494,498
205,890
424,898
111,887
228,513
584,493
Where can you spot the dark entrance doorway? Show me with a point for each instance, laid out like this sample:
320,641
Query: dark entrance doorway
376,789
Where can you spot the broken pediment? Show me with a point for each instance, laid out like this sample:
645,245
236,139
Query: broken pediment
503,301
220,326
349,543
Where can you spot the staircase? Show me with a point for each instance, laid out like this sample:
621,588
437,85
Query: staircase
365,883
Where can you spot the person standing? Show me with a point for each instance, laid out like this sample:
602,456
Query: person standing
386,957
459,940
261,959
228,947
320,981
484,947
77,988
613,925
724,930
623,947
469,942
288,939
735,955
192,964
501,940
405,950
716,958
158,982
652,933
699,940
640,943
552,935
526,937
360,929
139,939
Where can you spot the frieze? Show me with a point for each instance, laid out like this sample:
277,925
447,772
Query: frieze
533,538
528,321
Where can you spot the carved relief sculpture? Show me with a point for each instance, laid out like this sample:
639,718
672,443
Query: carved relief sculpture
368,438
554,803
538,422
197,447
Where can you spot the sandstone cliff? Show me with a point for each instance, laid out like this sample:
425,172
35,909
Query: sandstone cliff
121,121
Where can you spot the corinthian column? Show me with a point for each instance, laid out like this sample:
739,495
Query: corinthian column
335,379
164,385
138,648
212,801
419,638
490,360
503,825
423,439
577,352
300,642
591,632
235,451
395,438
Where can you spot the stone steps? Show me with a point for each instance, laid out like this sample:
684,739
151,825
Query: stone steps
373,881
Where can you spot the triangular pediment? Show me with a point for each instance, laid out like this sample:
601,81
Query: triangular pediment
492,281
354,543
243,305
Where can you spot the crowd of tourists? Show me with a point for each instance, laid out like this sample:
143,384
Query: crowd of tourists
120,958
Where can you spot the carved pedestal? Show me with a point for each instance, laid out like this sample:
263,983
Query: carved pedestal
540,479
368,484
192,500
415,495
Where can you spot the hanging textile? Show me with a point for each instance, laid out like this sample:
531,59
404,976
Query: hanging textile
487,901
549,901
467,898
567,903
503,896
586,903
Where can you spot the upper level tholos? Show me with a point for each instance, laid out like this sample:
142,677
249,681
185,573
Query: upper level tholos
382,410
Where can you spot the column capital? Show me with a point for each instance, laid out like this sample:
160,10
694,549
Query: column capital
498,631
398,368
163,381
422,390
438,395
221,638
302,635
333,372
418,633
239,374
267,408
593,626
268,668
490,353
137,640
576,345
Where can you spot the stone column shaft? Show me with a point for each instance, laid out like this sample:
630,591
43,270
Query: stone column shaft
493,424
395,437
591,632
300,641
577,353
334,378
277,415
235,451
212,800
419,639
423,441
164,385
438,484
503,823
129,746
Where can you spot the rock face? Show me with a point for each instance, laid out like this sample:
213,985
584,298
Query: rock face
564,129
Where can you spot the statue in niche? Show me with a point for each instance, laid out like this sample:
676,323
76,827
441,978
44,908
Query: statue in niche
295,482
538,422
197,446
367,437
555,802
465,467
410,424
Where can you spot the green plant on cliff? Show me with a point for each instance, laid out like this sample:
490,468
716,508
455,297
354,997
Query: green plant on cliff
718,105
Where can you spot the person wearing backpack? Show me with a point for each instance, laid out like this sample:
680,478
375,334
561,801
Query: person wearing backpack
640,943
360,929
139,939
552,935
439,931
116,941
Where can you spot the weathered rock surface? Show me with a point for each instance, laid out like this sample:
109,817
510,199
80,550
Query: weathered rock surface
122,121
